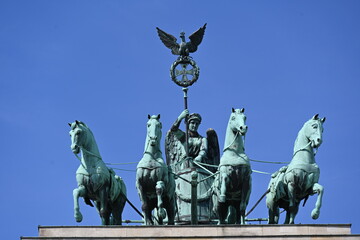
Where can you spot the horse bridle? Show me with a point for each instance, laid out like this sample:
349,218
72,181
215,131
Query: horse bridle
147,146
86,151
151,154
304,148
236,135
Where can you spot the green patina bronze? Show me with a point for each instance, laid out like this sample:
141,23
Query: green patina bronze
201,152
154,181
184,48
96,182
232,186
184,71
195,185
299,179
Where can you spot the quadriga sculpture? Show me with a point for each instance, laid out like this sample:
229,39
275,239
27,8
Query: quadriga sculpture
299,179
96,182
232,186
154,181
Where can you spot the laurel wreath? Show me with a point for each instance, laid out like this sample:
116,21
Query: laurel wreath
184,60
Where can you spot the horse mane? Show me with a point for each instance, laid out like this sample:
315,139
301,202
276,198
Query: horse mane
74,124
82,125
86,127
227,132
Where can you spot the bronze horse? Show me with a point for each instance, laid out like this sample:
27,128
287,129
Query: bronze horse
232,186
96,182
299,179
154,181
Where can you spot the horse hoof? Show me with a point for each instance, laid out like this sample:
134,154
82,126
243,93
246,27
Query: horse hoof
78,217
315,214
161,213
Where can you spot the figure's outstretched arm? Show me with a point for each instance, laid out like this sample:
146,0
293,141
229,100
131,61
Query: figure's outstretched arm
176,124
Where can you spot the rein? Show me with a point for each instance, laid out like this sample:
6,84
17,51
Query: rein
151,154
237,133
304,148
88,152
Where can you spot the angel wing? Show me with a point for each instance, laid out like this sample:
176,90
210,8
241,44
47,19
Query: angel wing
169,41
213,156
174,149
195,39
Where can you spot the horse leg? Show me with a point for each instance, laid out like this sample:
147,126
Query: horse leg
273,209
223,206
236,209
222,212
171,200
287,217
161,214
171,214
104,208
146,209
245,195
78,192
317,188
292,213
274,215
224,180
293,207
117,209
169,205
141,179
97,205
119,204
232,216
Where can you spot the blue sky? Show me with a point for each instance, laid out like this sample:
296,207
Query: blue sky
102,62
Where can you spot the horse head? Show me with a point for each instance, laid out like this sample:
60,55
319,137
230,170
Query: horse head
313,130
78,135
153,130
237,121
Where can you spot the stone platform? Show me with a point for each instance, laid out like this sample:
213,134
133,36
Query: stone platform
229,232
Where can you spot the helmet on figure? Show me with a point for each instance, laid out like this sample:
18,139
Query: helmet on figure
194,116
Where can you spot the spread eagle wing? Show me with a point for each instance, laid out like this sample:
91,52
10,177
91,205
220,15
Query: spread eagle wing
195,39
169,41
213,156
174,149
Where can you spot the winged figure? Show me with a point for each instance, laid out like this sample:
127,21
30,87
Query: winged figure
183,48
204,151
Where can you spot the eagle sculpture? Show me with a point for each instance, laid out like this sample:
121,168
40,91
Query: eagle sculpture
184,48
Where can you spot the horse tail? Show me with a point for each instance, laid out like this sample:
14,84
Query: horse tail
305,200
88,201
